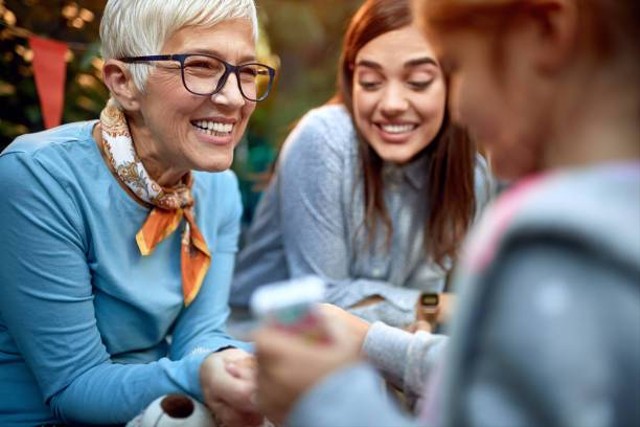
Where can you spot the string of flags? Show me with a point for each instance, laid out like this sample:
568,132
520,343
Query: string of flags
49,70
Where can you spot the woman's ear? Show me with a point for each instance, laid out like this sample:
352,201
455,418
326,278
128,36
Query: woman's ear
118,79
557,23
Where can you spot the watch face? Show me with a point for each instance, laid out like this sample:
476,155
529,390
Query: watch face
430,300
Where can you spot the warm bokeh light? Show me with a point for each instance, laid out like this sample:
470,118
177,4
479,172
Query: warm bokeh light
70,11
77,23
9,17
86,80
97,63
86,15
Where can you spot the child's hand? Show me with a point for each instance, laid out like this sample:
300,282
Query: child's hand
289,365
356,327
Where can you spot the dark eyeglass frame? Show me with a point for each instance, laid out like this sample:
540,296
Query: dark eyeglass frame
228,69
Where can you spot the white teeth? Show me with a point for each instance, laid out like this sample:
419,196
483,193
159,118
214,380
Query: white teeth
397,128
216,127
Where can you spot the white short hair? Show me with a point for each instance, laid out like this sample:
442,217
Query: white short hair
141,27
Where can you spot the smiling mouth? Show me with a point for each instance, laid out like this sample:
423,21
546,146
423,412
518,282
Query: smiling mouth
397,129
213,128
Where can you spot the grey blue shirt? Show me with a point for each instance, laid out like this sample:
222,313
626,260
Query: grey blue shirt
91,331
310,220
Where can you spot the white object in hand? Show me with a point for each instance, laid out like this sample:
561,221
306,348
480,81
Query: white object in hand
174,410
306,290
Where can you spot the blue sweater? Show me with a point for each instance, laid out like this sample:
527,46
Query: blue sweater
90,331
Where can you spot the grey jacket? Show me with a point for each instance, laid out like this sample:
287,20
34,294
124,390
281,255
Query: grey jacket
547,331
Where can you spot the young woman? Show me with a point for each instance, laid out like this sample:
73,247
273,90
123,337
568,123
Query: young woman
374,191
549,317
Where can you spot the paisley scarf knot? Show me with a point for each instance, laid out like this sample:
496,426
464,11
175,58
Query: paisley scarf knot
170,205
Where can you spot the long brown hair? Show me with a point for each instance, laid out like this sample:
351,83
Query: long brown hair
450,180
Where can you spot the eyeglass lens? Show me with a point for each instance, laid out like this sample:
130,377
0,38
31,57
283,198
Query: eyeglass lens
202,75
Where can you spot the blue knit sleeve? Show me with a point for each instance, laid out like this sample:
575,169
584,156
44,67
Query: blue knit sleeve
201,326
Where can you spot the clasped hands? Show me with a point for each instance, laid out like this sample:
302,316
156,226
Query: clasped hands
241,389
228,384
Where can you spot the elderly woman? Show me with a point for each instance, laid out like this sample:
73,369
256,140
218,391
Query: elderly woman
118,242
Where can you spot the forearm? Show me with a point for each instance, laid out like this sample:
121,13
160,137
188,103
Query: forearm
353,396
202,325
114,393
397,306
407,360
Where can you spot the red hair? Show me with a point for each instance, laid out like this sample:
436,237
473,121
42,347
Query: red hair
605,25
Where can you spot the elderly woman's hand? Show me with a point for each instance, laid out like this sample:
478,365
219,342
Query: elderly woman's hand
228,384
289,365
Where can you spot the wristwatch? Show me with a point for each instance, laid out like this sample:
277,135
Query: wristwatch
430,306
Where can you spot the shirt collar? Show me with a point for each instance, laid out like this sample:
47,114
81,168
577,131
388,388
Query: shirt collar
413,172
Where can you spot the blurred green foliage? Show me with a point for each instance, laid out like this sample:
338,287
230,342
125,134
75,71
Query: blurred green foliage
301,37
84,92
306,37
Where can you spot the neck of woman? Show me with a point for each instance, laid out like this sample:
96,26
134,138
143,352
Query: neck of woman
166,173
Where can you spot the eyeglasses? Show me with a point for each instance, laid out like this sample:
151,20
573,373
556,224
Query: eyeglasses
206,75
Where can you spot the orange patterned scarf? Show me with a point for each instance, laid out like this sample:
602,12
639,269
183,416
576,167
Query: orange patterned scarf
170,205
